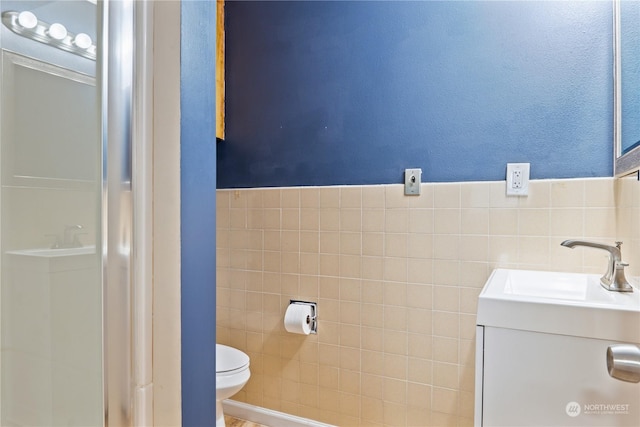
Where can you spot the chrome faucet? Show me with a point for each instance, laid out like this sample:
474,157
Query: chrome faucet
69,238
613,279
70,230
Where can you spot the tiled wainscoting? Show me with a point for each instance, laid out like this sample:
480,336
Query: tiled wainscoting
396,279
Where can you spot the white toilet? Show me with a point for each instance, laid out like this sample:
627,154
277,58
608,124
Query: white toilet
232,373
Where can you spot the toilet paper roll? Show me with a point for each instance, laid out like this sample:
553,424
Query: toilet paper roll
297,319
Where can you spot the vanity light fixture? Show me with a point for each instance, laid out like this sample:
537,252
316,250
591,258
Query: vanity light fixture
28,25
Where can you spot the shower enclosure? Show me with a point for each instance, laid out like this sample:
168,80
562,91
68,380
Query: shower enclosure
67,184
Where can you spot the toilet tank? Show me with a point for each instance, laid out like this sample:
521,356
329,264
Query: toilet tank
542,339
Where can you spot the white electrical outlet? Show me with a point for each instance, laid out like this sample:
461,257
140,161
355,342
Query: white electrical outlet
517,179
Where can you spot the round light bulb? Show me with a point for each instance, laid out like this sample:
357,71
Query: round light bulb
57,31
82,40
27,19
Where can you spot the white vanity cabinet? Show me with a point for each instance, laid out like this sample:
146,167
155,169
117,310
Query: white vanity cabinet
542,340
51,342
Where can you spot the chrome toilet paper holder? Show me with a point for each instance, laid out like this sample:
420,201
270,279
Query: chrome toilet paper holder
313,319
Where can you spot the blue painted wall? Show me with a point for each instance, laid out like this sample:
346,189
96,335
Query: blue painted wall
198,211
339,92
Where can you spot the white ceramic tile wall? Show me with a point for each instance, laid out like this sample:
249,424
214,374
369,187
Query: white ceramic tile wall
627,199
396,279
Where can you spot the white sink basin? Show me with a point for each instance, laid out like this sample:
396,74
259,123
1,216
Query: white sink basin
559,303
47,252
51,260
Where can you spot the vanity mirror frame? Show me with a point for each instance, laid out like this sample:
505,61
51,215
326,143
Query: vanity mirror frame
627,163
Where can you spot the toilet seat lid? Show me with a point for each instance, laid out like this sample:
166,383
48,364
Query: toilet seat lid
230,359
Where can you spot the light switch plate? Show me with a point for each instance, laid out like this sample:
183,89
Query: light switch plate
412,180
